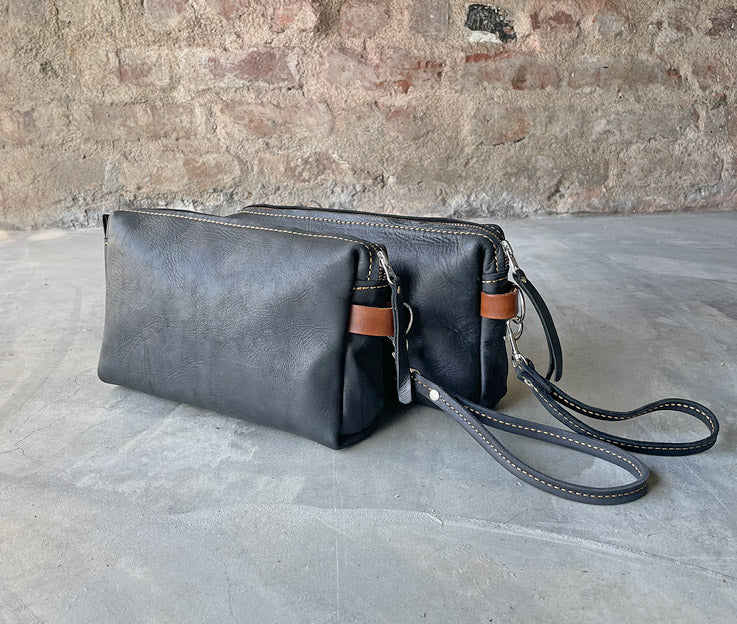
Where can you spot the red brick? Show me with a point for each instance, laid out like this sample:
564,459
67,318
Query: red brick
164,14
430,18
131,122
155,169
31,12
639,126
229,8
98,68
680,17
723,23
294,14
267,120
610,22
270,65
711,75
344,67
299,169
556,18
18,127
518,71
406,122
143,67
495,125
128,66
623,72
151,171
396,69
403,71
26,126
362,18
212,171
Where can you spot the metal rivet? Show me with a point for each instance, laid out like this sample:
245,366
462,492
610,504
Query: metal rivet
434,395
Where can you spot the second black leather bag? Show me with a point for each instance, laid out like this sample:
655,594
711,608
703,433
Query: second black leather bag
448,268
462,283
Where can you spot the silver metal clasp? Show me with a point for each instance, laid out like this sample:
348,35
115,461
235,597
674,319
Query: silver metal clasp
514,332
510,255
515,326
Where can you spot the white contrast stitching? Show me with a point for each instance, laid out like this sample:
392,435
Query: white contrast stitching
654,408
555,435
386,225
254,227
516,467
583,430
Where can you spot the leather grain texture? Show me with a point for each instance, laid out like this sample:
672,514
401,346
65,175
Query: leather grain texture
245,320
444,266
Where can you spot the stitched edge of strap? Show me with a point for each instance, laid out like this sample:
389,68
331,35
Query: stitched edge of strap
643,446
481,437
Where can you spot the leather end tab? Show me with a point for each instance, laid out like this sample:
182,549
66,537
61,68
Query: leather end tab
499,307
371,321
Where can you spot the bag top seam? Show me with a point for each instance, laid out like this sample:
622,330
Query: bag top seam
255,227
385,225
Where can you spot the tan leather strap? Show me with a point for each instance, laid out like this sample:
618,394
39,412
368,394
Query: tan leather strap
499,307
371,321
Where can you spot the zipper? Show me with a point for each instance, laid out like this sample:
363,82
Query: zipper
495,231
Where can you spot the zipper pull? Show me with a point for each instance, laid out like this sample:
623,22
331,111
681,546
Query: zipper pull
399,340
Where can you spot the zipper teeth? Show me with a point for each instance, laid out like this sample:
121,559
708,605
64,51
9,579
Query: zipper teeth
381,274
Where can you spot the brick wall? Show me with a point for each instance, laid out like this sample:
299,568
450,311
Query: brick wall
563,106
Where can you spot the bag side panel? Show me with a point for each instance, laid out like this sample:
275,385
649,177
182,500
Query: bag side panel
249,323
367,364
494,362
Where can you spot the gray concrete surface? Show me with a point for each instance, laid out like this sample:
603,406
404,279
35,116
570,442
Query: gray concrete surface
119,507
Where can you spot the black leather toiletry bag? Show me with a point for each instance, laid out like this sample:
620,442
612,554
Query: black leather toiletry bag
300,330
246,320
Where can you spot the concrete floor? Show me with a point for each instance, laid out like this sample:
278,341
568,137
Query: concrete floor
119,507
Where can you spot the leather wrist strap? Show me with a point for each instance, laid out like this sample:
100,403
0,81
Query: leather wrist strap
555,401
555,366
468,415
475,420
